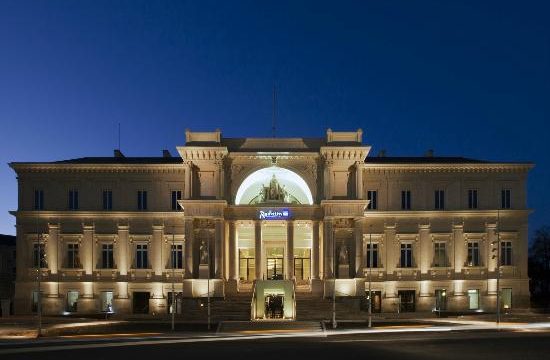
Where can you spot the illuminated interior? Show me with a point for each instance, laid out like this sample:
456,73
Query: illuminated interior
251,188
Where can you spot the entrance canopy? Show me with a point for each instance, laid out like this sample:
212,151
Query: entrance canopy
273,185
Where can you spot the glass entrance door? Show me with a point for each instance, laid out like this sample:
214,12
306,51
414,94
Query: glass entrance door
274,263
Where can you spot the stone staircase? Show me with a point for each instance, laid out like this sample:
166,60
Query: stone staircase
270,327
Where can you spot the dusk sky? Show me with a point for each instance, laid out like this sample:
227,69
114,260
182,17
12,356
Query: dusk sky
463,78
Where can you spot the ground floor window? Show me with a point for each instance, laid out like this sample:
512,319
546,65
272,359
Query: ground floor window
106,298
175,306
274,263
302,264
247,264
506,298
72,301
473,299
140,302
34,301
407,300
440,299
376,301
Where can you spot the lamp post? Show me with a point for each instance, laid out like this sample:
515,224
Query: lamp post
370,273
208,284
38,276
173,259
498,266
334,324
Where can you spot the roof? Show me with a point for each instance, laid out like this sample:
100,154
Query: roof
422,160
122,160
8,240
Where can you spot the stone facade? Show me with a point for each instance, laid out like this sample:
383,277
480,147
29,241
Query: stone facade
120,233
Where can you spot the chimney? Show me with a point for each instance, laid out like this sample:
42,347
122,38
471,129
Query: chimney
166,154
382,153
118,153
430,153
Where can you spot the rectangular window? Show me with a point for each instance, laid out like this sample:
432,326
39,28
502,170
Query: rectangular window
176,256
107,256
440,254
142,200
107,200
178,296
302,263
372,196
176,195
472,199
372,255
506,253
35,299
473,299
247,264
38,199
439,199
39,256
73,199
506,298
473,253
406,200
73,260
440,299
141,256
72,301
505,199
106,301
406,255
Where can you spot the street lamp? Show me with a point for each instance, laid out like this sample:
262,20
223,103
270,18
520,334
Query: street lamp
173,260
371,253
334,324
497,257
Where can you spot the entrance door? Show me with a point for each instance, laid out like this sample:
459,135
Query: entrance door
274,306
141,302
406,300
274,263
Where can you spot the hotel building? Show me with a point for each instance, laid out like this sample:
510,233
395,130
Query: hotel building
272,225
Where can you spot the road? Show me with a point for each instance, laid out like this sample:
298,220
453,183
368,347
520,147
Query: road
479,344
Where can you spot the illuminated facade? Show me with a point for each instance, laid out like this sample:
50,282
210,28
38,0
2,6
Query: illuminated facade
274,222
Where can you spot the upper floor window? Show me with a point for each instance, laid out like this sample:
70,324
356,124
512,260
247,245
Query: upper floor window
176,195
142,200
38,199
473,253
73,199
39,256
107,256
406,200
439,200
406,255
142,256
440,254
506,253
372,255
472,199
505,199
107,200
73,260
372,196
177,256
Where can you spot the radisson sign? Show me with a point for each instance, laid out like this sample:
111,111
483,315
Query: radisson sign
273,214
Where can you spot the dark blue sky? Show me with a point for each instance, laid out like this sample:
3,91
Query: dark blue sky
463,78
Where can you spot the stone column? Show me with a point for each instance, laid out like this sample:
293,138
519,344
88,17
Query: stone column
425,257
327,177
156,246
53,248
258,249
232,255
359,179
328,240
221,176
87,255
189,248
459,248
315,251
188,179
122,252
218,259
358,234
289,273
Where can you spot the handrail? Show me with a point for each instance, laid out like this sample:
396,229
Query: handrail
294,298
253,302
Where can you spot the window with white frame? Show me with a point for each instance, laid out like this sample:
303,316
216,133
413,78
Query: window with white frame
473,254
440,254
372,196
472,199
406,260
142,261
506,253
107,256
73,259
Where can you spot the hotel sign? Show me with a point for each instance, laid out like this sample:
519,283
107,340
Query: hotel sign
273,214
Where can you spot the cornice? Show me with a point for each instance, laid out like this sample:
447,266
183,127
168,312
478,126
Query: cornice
446,213
20,168
72,214
449,168
202,153
349,153
267,155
